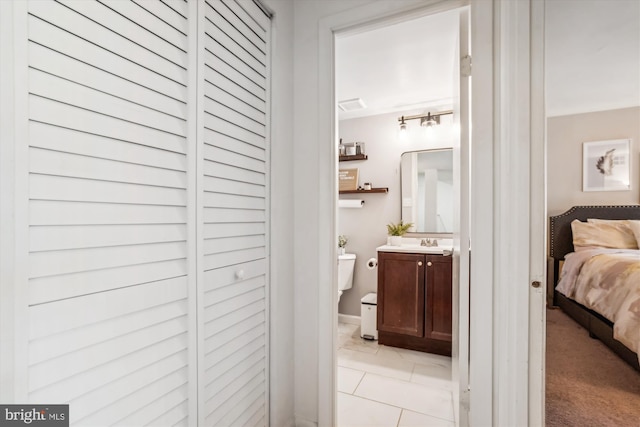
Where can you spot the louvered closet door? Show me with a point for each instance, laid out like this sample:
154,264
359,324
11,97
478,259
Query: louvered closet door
107,268
235,217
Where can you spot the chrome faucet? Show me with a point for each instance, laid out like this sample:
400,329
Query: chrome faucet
429,242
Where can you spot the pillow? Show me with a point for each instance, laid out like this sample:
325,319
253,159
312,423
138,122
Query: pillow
624,225
634,225
603,234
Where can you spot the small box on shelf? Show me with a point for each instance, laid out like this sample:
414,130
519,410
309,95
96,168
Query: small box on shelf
351,151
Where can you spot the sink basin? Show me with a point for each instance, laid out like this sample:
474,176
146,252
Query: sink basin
440,250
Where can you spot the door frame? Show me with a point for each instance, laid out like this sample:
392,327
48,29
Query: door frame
538,212
367,17
506,361
509,222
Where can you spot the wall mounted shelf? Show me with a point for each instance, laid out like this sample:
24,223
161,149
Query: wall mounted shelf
353,157
373,190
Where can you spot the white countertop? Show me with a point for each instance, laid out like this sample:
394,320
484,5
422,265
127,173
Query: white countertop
416,249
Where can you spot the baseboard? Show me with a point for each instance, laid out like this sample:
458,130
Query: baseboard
348,318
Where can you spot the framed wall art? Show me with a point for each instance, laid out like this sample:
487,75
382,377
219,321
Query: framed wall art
606,165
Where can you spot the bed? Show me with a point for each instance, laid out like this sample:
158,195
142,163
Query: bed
614,293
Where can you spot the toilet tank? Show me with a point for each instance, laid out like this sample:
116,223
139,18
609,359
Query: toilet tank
346,264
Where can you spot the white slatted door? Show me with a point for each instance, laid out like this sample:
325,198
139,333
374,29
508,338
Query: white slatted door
108,308
235,216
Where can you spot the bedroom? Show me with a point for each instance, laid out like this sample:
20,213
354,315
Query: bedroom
605,108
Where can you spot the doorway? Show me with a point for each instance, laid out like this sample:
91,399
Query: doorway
592,94
421,89
503,110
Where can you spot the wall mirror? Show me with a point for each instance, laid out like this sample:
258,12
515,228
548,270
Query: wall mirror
427,190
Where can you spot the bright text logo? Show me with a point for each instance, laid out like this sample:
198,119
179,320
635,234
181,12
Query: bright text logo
34,415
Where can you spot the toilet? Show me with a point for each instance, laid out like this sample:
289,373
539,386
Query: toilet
346,263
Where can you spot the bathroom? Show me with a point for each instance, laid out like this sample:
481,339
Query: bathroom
412,87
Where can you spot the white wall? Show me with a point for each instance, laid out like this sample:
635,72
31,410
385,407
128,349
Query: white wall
366,227
281,298
565,135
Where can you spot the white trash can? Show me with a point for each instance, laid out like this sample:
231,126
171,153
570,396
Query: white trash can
368,316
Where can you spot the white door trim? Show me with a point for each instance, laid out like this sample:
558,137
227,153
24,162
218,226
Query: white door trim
538,242
508,222
14,200
511,213
461,237
481,341
7,235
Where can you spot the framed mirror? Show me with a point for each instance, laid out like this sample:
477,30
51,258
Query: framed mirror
426,183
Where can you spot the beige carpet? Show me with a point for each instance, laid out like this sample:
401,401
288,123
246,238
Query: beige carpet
587,384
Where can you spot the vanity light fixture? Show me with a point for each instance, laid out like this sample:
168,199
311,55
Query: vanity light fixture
428,120
403,125
403,128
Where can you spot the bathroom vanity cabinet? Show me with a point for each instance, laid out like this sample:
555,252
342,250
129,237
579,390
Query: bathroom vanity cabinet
414,301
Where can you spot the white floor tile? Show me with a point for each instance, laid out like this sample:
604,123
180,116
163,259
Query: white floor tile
349,334
347,328
395,368
414,419
415,397
356,412
375,382
414,356
359,344
432,375
348,379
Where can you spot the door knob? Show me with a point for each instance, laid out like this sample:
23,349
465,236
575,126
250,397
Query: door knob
429,264
419,263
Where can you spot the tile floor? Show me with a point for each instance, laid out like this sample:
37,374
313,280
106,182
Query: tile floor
381,386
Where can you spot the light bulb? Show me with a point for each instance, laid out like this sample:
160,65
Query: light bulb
402,133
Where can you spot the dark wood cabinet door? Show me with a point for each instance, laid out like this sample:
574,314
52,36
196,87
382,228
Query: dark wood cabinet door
401,293
438,298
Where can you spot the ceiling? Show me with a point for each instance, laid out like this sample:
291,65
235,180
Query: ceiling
592,61
592,55
398,67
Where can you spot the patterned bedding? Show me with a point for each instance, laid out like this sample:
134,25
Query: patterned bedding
608,282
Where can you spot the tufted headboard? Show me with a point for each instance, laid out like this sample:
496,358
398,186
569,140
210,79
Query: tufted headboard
561,239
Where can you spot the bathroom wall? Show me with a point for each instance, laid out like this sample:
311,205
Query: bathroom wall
366,227
565,135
